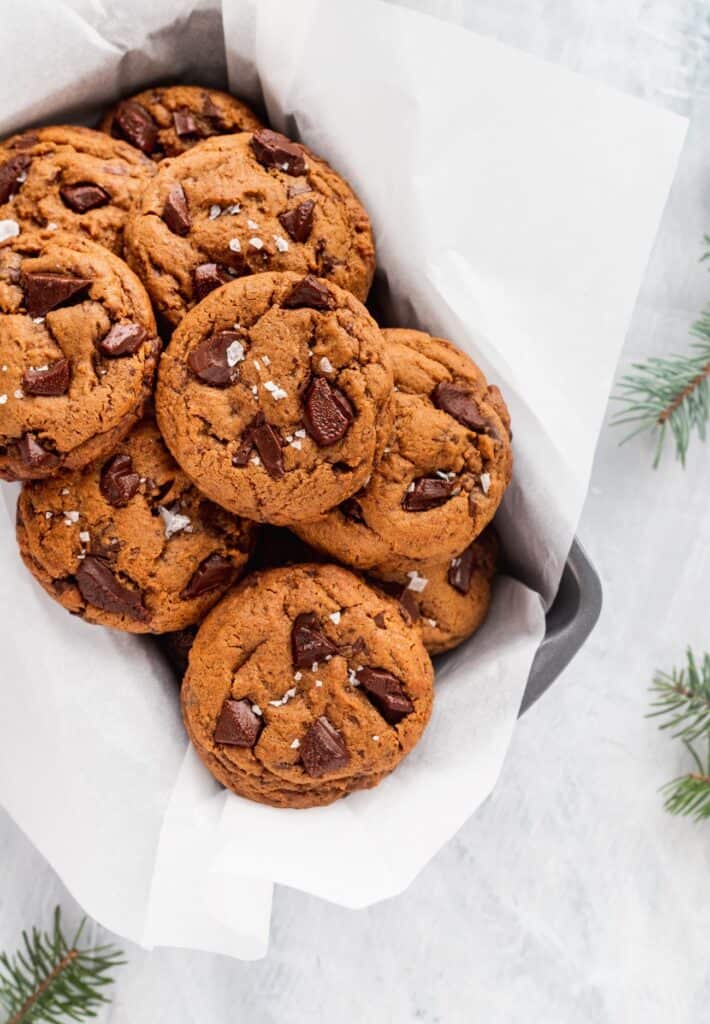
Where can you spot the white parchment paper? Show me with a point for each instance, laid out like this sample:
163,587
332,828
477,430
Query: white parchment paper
514,205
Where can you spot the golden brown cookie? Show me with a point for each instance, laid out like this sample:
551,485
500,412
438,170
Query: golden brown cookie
304,684
443,471
273,395
69,178
242,204
129,542
169,120
78,352
449,600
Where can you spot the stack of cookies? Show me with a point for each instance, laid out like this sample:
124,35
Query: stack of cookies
218,444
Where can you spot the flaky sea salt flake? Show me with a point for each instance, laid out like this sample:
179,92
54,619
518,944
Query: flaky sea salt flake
416,583
173,522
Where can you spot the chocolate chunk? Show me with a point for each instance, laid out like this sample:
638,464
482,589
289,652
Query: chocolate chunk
352,510
84,197
100,587
210,360
52,381
299,188
461,570
309,643
175,212
23,141
299,221
428,492
459,402
241,456
210,108
272,149
309,293
327,413
135,124
47,291
207,277
408,604
10,174
237,725
268,445
386,692
119,481
33,454
214,571
323,749
123,340
185,123
380,621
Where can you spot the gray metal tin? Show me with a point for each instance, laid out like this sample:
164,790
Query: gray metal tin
570,620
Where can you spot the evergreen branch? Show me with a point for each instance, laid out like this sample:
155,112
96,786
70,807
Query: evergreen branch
51,979
669,393
683,698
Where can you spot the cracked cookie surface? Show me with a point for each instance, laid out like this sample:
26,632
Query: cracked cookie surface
78,353
72,179
443,471
231,207
169,120
273,395
448,600
303,685
129,542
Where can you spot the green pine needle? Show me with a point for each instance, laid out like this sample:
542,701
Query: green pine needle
683,699
669,394
51,979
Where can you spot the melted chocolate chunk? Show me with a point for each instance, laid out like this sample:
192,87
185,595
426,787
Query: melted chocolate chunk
33,454
323,749
272,149
268,445
207,277
100,587
299,221
310,293
185,123
11,175
386,692
52,381
44,292
175,212
210,108
134,123
84,197
309,644
119,481
237,725
214,571
461,570
380,620
459,402
408,604
123,340
327,413
428,492
210,360
352,510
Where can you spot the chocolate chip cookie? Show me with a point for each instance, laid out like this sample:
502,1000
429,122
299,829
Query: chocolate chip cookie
78,353
449,600
167,121
129,542
243,204
443,471
70,178
304,684
273,395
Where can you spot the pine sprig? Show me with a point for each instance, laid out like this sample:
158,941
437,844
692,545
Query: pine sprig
669,394
50,978
683,699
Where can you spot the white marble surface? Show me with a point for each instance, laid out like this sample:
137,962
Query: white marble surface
570,898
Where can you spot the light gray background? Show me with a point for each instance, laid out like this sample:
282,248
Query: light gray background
571,897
